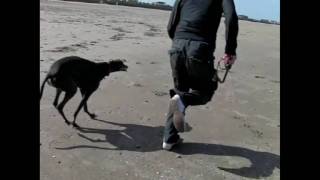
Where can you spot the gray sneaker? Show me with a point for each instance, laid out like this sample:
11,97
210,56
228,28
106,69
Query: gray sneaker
178,117
169,146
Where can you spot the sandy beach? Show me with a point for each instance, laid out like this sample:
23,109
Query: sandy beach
235,136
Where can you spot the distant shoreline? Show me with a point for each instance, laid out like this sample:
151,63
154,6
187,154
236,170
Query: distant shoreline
136,3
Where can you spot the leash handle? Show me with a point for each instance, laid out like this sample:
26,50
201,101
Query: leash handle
227,67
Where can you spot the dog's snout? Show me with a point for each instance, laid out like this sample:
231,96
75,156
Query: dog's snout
124,67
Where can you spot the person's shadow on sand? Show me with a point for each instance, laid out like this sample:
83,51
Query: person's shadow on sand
142,138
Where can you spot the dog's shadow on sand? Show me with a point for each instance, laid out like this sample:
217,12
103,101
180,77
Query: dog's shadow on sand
142,138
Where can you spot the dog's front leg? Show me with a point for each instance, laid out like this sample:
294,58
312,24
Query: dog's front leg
84,93
82,103
92,115
77,111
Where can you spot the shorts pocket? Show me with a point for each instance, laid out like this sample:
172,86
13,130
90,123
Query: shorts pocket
200,69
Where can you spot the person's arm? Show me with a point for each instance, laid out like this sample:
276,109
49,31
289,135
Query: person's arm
232,27
174,18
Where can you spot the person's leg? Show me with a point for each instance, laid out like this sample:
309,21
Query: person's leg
170,132
179,71
179,75
200,69
201,93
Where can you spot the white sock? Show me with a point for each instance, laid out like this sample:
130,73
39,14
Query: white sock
180,103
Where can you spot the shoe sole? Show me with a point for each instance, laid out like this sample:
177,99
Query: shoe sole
175,144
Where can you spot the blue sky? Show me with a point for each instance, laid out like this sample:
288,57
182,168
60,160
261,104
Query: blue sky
257,9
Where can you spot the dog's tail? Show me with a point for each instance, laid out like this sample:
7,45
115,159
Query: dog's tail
42,86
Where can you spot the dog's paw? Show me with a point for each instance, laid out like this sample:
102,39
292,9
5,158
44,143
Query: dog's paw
92,116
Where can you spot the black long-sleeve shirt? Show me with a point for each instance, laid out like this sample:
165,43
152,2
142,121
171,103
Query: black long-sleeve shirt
200,19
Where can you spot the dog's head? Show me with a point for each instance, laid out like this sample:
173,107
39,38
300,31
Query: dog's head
117,65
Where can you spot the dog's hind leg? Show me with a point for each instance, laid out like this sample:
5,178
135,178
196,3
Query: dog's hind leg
56,99
85,106
69,94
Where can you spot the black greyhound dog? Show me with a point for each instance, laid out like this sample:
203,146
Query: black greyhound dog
69,73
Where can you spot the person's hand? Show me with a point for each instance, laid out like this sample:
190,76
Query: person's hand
228,60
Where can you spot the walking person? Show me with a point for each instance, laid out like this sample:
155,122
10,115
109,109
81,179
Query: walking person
193,26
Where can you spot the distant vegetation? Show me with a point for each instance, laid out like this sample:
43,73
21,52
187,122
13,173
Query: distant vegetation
246,18
161,5
132,3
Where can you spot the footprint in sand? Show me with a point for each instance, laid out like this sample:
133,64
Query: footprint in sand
137,85
93,42
275,81
150,34
72,48
117,37
62,49
160,93
121,30
259,77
